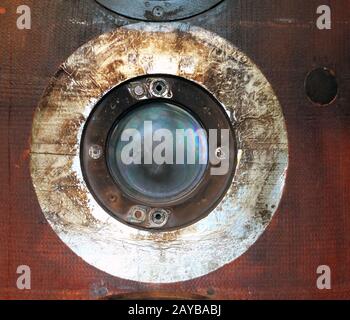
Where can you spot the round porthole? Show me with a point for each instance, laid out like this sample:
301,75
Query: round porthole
157,155
159,10
117,219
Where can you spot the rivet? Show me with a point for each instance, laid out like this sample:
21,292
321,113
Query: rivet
95,152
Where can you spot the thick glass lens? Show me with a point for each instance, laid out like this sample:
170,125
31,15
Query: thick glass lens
158,152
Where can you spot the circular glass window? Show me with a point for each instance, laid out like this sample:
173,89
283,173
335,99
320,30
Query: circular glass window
156,152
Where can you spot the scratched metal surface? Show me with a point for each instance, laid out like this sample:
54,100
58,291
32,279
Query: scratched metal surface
311,225
241,217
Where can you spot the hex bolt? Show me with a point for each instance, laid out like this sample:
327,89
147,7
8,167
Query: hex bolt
158,11
95,152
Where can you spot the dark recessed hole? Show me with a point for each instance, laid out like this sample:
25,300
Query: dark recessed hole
321,86
159,88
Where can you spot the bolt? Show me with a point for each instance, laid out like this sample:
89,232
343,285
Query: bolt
113,198
95,152
158,11
139,90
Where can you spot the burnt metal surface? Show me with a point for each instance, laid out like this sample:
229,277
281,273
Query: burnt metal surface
114,197
159,10
246,209
311,226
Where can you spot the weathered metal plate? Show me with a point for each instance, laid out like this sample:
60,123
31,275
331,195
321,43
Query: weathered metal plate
159,10
246,210
191,207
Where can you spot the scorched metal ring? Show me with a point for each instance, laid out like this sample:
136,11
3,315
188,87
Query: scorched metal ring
251,105
113,195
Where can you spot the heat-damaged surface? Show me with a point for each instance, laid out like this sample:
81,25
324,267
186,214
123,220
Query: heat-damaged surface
242,215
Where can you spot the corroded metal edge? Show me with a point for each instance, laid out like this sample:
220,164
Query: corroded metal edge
167,10
246,210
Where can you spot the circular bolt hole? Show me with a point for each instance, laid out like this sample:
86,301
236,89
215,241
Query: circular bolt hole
159,217
159,88
321,86
95,152
138,214
158,11
113,198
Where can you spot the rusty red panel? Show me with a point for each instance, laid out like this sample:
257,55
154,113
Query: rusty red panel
311,226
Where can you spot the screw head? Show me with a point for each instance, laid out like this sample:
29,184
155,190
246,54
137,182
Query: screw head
139,90
113,198
95,152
